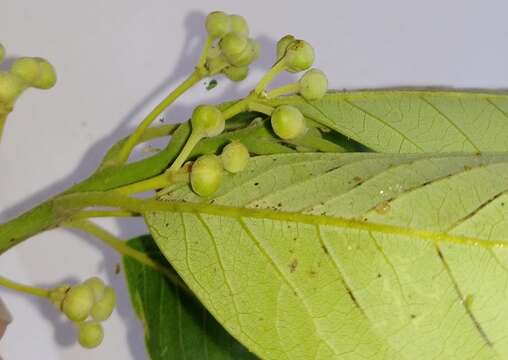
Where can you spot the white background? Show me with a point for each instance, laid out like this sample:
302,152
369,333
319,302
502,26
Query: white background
115,59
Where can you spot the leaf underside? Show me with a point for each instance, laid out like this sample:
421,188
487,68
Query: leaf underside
361,255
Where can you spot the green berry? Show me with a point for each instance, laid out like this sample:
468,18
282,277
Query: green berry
218,24
282,45
313,84
97,286
235,157
207,120
236,73
90,334
47,76
247,56
104,307
233,44
299,56
78,302
11,86
206,175
288,122
27,68
2,53
239,25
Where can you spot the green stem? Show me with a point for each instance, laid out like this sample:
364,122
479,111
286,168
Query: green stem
126,150
258,107
157,182
276,69
204,53
123,249
193,139
283,90
102,213
236,108
30,290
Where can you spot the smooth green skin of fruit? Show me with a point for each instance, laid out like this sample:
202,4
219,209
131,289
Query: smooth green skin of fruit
299,56
282,45
288,122
2,53
233,44
207,120
90,334
47,76
27,68
239,25
235,157
206,175
104,307
11,86
97,286
236,73
78,302
313,84
218,24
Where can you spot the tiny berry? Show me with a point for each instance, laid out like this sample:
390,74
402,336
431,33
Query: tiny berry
282,45
313,84
90,334
47,76
236,73
97,286
235,157
206,175
288,122
239,25
299,56
27,68
207,120
78,303
218,24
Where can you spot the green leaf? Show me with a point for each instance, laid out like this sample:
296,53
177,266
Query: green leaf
176,325
351,256
409,121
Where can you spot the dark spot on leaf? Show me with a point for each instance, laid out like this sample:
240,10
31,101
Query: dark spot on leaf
256,184
324,249
358,179
502,204
467,167
413,316
293,265
279,204
212,201
12,240
379,276
294,239
352,296
312,273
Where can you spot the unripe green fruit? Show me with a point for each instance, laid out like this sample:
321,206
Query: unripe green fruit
97,286
47,75
90,334
236,73
11,86
239,25
313,84
235,157
78,302
2,53
206,175
27,68
233,44
288,122
282,45
218,24
207,120
299,56
104,307
249,54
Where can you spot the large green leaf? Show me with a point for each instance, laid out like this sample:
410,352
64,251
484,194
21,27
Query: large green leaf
351,256
176,325
409,121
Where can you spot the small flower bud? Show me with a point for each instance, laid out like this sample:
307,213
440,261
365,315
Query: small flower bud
288,122
313,84
236,73
47,76
104,307
239,25
218,24
208,120
27,68
11,86
78,302
233,44
97,286
299,56
283,44
206,175
90,334
235,157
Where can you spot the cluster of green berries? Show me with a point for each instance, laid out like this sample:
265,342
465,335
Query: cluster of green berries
25,72
207,171
87,305
233,51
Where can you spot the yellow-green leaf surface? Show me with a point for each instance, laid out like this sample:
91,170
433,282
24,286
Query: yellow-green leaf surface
409,121
351,256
